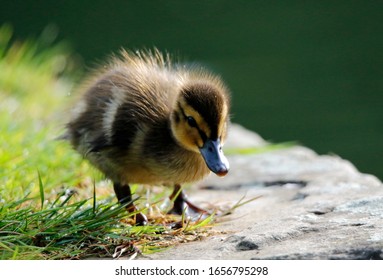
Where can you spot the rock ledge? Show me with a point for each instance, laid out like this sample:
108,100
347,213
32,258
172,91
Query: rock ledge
312,207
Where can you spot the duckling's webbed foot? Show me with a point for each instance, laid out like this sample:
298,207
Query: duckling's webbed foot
124,195
183,205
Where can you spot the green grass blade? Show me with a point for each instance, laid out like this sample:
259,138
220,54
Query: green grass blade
41,188
94,196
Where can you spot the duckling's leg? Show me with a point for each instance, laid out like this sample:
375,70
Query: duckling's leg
124,195
182,204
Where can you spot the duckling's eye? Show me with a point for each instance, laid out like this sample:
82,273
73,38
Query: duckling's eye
191,121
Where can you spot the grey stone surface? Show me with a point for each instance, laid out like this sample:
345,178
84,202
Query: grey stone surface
311,207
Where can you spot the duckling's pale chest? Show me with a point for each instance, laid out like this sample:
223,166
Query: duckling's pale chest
156,158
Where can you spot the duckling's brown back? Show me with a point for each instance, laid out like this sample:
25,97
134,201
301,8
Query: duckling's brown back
122,100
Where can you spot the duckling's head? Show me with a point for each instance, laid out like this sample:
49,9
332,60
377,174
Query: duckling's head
199,122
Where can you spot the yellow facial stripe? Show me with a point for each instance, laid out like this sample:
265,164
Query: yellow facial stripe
189,111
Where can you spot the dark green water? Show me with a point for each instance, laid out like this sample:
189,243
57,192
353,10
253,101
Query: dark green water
310,71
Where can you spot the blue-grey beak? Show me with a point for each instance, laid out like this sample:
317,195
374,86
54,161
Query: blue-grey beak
213,155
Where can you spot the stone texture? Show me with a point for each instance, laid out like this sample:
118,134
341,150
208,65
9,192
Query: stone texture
311,207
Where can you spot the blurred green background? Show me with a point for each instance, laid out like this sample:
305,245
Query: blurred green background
310,71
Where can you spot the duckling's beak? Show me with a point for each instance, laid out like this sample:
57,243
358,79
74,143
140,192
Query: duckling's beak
213,155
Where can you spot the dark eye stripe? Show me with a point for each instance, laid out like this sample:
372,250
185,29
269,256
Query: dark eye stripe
191,121
200,131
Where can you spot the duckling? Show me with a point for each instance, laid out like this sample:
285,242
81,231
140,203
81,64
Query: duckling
145,119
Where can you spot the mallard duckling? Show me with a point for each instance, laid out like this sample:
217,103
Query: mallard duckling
144,119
